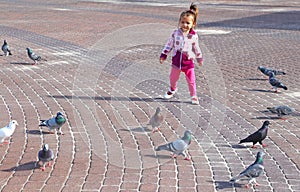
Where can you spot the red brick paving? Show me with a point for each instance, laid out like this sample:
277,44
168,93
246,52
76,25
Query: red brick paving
108,87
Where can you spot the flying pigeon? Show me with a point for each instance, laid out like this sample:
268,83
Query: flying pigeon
252,172
7,131
281,110
178,147
276,83
5,49
45,156
156,120
268,71
33,56
257,136
54,122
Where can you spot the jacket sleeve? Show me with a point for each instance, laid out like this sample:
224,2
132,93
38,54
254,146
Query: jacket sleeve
168,47
197,50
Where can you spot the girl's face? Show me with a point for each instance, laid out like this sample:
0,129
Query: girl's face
186,23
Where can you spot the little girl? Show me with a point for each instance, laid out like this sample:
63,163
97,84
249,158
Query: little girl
184,42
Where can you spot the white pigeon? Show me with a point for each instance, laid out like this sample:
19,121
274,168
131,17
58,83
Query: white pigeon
7,131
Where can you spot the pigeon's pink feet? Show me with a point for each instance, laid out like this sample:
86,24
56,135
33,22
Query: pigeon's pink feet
43,168
49,164
264,145
247,186
5,142
156,130
187,158
253,147
174,156
256,184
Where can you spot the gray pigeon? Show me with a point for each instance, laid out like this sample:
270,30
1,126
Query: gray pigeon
5,49
33,56
281,110
268,71
178,147
276,83
258,136
252,172
156,120
45,156
54,123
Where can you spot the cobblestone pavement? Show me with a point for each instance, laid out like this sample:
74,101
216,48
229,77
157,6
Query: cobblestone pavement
102,72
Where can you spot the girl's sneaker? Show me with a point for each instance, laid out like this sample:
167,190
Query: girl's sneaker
170,94
195,100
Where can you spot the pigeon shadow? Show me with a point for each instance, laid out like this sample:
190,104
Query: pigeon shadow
138,130
21,63
227,185
260,90
159,156
255,79
23,167
267,118
37,132
237,146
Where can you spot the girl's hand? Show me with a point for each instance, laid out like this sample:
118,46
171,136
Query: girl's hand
161,60
200,63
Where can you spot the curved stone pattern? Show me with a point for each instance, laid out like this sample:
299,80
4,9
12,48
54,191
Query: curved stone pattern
102,72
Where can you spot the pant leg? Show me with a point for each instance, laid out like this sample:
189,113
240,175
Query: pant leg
174,76
191,81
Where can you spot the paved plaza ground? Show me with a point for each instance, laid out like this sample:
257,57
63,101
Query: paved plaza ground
103,72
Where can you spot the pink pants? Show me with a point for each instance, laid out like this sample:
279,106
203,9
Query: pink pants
189,76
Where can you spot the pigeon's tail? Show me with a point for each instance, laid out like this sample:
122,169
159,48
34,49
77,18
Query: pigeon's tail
243,141
235,179
9,52
285,87
163,147
272,109
43,123
280,73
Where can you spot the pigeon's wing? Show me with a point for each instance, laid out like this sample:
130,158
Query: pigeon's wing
179,146
156,120
254,137
274,82
286,110
51,154
272,109
2,133
52,123
253,171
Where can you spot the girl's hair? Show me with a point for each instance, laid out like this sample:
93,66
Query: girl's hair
192,11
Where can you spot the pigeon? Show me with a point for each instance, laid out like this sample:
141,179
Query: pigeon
45,156
7,131
5,49
276,83
179,146
268,71
252,172
33,56
281,110
258,136
156,120
54,123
